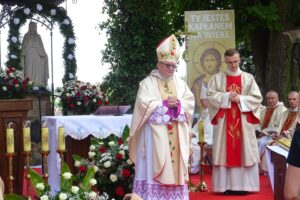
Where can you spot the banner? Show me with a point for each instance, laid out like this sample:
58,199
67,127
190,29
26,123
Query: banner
215,32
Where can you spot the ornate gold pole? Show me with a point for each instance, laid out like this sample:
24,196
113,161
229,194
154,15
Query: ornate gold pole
202,187
45,165
27,165
10,173
186,33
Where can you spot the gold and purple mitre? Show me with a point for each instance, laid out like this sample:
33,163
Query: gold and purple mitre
168,49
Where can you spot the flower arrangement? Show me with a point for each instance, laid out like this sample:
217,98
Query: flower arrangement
13,84
115,171
80,97
82,191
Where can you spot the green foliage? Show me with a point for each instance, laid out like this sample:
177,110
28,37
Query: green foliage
13,197
125,133
265,16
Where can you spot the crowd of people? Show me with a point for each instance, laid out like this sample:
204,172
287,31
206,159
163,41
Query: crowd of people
237,127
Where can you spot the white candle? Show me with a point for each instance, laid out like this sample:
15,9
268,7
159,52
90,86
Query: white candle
26,139
201,131
61,139
45,142
10,145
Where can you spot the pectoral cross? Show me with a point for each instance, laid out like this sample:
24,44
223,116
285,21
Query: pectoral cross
186,35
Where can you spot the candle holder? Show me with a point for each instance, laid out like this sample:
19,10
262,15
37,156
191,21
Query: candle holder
45,165
61,154
10,177
27,155
202,187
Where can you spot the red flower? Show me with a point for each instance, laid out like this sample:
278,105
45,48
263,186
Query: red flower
78,94
84,87
68,98
119,156
125,173
72,105
105,102
99,102
82,168
120,191
15,81
169,127
85,99
102,149
120,141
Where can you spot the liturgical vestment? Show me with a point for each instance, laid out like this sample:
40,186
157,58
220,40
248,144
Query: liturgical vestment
235,152
160,147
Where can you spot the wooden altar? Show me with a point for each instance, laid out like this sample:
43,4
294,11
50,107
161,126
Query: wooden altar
15,111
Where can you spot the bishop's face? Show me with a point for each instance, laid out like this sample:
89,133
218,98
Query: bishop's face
166,68
233,62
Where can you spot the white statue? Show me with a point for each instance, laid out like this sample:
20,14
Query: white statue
34,57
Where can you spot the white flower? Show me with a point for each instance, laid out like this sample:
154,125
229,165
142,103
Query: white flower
74,189
16,21
4,88
35,88
77,163
122,153
39,7
12,56
92,147
93,182
14,39
111,143
30,83
67,175
63,196
113,178
53,12
107,164
26,11
96,168
129,162
71,40
71,76
70,57
44,197
11,74
66,22
92,195
91,154
94,100
40,186
68,94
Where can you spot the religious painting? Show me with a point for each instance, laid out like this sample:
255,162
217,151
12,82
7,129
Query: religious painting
215,33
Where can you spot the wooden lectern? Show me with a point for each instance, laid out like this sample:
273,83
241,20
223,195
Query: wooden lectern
15,111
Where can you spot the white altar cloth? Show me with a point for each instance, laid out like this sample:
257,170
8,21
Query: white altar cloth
79,127
270,165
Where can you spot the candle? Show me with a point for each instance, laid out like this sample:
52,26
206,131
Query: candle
201,131
45,143
10,146
61,139
26,139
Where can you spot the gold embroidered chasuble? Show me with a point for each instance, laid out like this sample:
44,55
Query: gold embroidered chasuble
250,101
167,88
150,96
